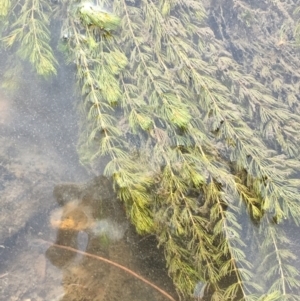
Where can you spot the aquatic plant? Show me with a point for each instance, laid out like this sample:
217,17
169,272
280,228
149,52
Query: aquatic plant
194,106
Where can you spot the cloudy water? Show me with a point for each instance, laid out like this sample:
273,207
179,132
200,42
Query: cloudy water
61,229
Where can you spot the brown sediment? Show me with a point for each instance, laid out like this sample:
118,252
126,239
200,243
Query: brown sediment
73,216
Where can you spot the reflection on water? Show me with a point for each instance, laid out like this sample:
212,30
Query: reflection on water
37,152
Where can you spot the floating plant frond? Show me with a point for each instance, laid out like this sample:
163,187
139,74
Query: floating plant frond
92,15
4,8
29,34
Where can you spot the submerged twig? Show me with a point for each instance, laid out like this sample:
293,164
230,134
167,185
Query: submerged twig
112,263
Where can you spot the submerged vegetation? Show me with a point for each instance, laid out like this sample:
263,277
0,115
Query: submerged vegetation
194,106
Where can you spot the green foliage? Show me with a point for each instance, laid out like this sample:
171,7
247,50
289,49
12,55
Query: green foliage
282,275
29,34
91,15
297,27
4,8
200,127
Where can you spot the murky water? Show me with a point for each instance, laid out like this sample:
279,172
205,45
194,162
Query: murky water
53,247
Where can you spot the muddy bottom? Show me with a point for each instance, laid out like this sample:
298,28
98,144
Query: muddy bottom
82,250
